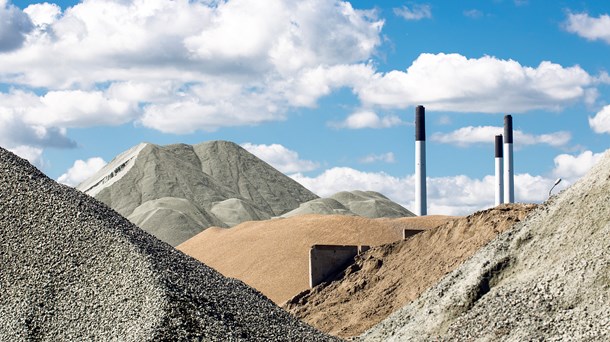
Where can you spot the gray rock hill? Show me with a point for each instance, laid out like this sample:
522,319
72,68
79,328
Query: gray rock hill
75,270
176,191
547,278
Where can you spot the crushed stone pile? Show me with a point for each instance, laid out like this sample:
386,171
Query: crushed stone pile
547,278
176,191
74,270
273,256
385,278
369,204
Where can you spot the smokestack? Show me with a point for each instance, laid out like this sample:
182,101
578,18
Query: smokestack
499,178
420,161
509,187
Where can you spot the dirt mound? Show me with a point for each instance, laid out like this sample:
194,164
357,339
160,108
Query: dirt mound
75,270
176,191
273,256
385,278
547,278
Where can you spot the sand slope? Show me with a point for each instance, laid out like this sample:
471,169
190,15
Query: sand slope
387,277
547,278
75,270
273,256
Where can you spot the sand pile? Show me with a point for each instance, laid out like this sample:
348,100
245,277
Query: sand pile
74,270
176,191
385,278
273,256
547,278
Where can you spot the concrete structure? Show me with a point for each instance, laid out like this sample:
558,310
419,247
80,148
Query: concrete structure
499,175
420,162
326,261
407,233
509,187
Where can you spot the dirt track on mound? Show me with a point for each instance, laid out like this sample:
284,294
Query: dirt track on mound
386,278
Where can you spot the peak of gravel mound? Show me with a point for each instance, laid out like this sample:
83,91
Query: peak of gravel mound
547,278
215,183
385,278
75,270
360,203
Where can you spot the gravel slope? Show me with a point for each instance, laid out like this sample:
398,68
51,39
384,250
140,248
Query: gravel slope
73,269
547,278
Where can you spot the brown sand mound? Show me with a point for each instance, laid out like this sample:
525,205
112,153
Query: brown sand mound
273,256
386,278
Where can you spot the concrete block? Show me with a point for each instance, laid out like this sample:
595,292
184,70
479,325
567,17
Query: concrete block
328,260
407,233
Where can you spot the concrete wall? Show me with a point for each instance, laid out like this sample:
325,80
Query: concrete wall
326,261
407,233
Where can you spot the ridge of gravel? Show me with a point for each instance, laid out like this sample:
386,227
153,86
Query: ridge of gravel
74,269
547,278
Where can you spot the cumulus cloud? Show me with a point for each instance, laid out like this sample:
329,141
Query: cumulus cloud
32,154
452,82
14,26
455,195
414,12
81,170
373,158
588,27
367,119
280,157
470,135
600,123
571,168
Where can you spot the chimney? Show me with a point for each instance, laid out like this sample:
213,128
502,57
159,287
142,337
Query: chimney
499,178
509,187
420,162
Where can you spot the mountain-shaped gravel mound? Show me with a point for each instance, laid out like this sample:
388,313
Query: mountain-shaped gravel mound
273,256
75,270
547,278
216,183
385,278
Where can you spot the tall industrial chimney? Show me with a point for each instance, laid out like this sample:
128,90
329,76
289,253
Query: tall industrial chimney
499,171
420,161
509,186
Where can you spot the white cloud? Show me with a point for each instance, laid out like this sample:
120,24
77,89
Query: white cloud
373,158
283,159
451,82
571,168
14,26
455,195
473,13
588,27
32,154
368,119
600,123
415,12
81,170
470,135
43,14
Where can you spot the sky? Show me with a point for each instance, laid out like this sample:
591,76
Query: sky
323,90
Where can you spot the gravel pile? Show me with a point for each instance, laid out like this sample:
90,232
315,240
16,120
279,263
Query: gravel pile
73,269
547,278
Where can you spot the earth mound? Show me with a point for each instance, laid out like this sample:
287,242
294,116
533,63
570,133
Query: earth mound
369,204
176,191
73,270
385,278
273,256
547,278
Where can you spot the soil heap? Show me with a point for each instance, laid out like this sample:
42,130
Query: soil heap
176,191
385,278
547,278
73,270
273,256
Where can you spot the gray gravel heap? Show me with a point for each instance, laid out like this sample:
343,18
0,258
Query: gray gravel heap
73,269
548,278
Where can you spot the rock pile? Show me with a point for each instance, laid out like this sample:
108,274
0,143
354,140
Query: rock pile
547,278
73,270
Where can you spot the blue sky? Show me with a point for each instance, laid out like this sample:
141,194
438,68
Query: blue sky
323,90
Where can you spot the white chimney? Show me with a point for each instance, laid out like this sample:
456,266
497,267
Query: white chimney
420,162
509,186
499,171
